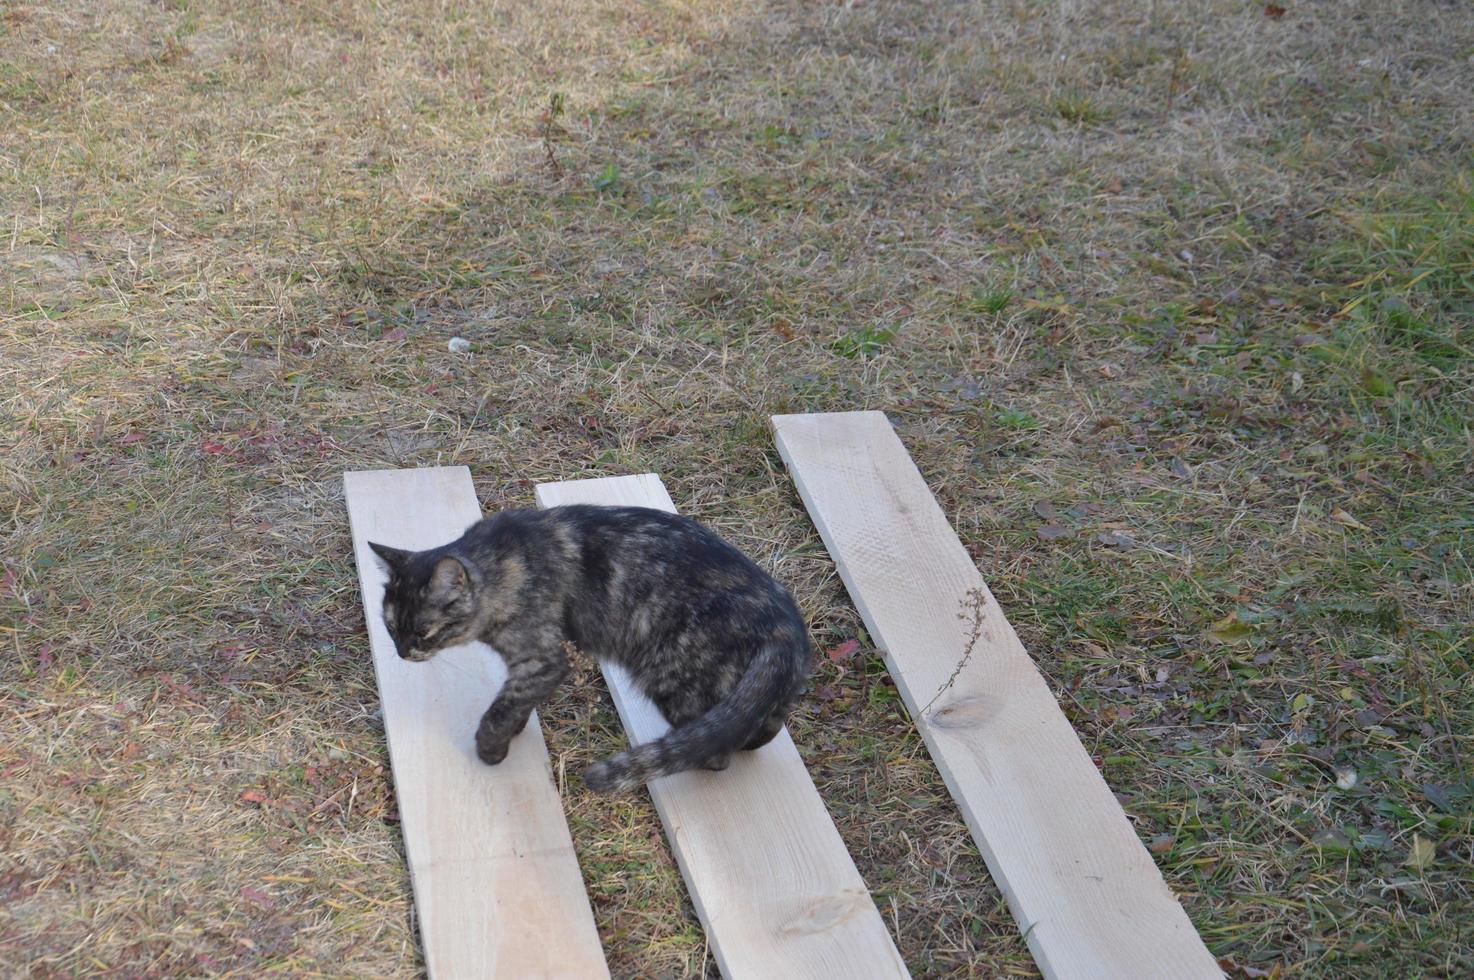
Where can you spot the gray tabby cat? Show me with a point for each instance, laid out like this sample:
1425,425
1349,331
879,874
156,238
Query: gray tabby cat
715,642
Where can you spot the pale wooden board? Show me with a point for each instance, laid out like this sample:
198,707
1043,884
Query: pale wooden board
770,877
496,883
1080,883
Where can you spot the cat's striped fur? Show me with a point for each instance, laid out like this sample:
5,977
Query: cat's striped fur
714,641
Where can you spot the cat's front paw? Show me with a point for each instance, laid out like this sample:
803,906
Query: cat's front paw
491,752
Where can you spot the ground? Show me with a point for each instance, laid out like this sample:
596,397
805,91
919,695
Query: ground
1170,302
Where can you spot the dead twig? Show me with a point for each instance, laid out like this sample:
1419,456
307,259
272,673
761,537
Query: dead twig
972,606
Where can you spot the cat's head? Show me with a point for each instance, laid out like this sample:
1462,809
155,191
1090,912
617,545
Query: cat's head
429,601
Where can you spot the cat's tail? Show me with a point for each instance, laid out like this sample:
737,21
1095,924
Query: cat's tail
748,717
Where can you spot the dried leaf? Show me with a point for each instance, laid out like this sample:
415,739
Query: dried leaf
1231,629
1232,968
1421,853
131,437
843,652
1162,843
1273,11
1053,532
1116,539
395,335
1046,510
257,897
253,796
1341,517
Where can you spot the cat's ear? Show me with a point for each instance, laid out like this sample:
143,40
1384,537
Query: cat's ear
449,580
393,558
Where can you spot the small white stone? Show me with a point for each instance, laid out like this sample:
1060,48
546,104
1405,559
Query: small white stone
1346,778
459,345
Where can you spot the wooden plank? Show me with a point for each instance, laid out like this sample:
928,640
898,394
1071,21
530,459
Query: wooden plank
496,883
1083,888
769,875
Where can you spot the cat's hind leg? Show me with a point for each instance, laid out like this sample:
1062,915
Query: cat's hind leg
682,705
685,704
769,729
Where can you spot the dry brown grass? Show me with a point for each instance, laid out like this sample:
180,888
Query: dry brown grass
1200,274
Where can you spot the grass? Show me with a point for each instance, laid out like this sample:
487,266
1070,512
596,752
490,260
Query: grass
1189,286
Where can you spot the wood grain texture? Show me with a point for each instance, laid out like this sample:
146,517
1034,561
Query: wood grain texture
496,883
1080,883
771,880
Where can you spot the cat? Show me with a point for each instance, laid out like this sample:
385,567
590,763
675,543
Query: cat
715,642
